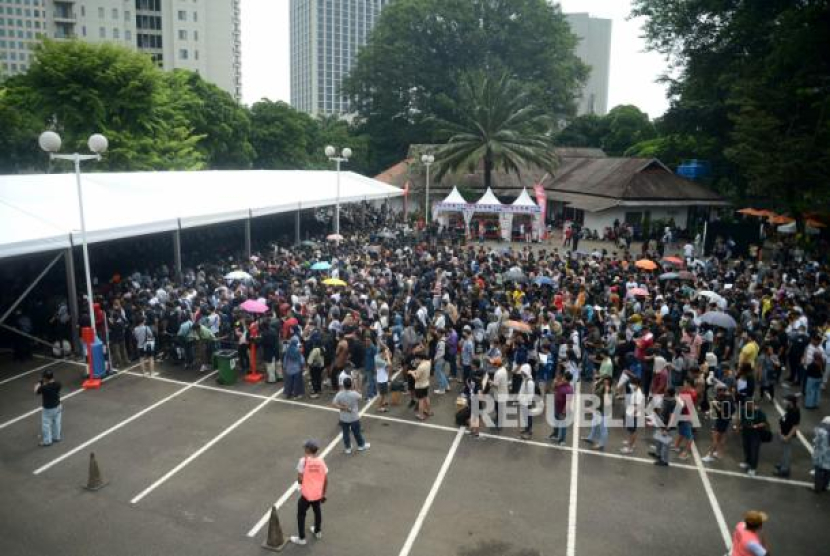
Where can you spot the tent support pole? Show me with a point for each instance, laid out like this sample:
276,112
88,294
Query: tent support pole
297,235
22,296
72,298
248,235
25,335
177,251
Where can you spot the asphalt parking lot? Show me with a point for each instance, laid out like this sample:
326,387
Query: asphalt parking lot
194,468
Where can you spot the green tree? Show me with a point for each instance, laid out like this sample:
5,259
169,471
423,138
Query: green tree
419,48
751,79
626,126
330,130
213,114
19,130
588,130
79,89
494,121
671,149
280,135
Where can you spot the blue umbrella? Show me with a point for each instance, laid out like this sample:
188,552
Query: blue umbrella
543,281
322,265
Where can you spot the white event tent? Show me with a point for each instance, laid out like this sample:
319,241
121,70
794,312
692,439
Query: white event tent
488,204
39,213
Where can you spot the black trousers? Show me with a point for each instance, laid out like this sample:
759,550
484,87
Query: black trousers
822,479
752,447
302,509
317,379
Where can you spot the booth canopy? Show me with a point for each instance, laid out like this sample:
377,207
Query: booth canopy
488,200
524,203
39,212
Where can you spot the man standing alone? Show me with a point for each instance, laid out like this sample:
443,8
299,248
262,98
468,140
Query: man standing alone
49,389
312,475
347,401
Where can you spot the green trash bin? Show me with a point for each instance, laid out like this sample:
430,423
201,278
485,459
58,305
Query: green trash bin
224,361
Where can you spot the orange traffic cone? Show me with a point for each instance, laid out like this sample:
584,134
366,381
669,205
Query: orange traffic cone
95,481
276,540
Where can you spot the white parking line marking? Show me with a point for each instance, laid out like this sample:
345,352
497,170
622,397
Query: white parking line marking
39,409
203,449
293,488
713,501
419,521
118,426
572,496
26,373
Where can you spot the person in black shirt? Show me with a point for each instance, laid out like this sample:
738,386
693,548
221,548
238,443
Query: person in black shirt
789,428
49,389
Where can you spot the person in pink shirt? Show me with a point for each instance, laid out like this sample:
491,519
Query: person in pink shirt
312,475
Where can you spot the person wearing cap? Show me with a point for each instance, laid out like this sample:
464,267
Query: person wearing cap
313,478
501,385
748,539
49,390
788,429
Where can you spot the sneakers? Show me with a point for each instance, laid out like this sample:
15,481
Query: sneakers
347,451
707,459
298,540
154,374
744,465
317,534
364,447
626,450
751,473
439,392
661,463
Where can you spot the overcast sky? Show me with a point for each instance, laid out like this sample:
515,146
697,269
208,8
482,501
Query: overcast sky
266,62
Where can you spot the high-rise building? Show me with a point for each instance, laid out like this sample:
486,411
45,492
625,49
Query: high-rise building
325,38
594,49
198,35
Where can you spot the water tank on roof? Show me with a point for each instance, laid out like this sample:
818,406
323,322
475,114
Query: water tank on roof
693,169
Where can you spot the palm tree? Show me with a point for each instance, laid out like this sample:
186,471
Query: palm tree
494,120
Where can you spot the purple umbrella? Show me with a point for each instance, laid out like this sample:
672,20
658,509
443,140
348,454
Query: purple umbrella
253,306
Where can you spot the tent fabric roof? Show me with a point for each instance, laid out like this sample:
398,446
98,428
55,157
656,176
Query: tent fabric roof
523,200
455,198
488,199
39,212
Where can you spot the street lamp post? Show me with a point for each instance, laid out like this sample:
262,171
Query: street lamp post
345,155
427,161
50,142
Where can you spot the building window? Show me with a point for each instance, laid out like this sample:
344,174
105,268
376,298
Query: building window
115,13
195,54
100,13
182,15
102,33
195,35
128,35
182,35
116,34
83,11
195,16
182,54
126,15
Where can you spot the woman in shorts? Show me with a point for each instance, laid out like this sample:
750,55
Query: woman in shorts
722,413
383,362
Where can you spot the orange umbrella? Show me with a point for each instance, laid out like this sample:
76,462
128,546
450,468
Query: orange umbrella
674,260
813,223
780,219
646,264
749,212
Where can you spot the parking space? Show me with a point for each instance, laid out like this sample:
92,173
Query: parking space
193,466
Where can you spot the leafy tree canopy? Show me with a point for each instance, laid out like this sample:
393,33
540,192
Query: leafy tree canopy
617,131
419,48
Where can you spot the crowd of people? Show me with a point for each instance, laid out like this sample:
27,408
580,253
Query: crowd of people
713,335
417,313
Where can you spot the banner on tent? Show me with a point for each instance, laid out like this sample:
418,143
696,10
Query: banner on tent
506,225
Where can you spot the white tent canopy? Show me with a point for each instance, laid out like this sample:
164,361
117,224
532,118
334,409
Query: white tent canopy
39,212
524,200
488,200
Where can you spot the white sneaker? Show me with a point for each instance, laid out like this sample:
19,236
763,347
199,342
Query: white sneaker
751,473
439,392
707,459
154,374
298,540
364,447
744,465
317,534
626,450
347,451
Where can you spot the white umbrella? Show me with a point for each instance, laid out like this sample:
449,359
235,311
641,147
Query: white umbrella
713,297
238,275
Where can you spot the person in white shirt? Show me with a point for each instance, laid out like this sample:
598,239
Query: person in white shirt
501,385
526,392
634,410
